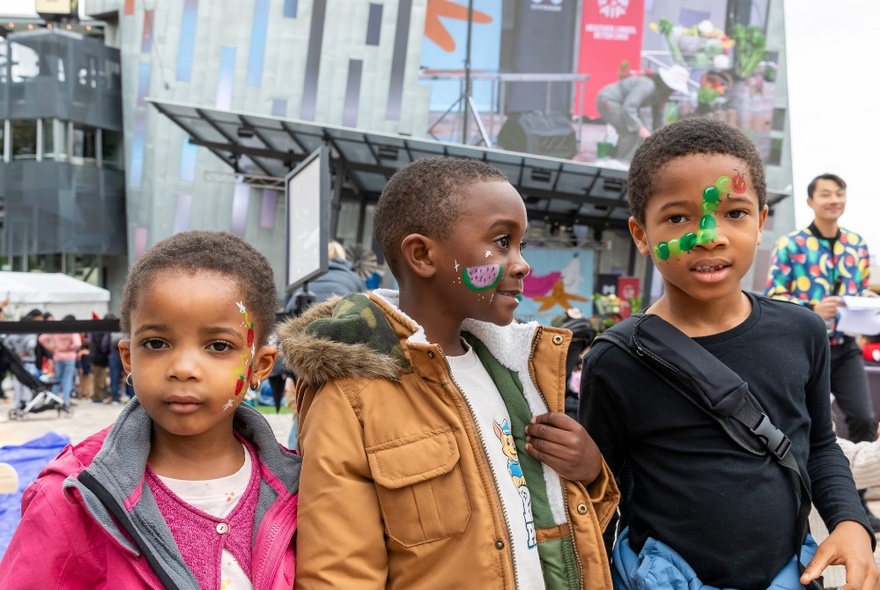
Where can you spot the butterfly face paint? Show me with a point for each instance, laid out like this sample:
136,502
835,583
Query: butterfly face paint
711,197
242,374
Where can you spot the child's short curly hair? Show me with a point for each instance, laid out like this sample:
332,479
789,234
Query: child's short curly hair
693,135
212,251
425,197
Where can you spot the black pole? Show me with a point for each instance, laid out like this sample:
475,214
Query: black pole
467,72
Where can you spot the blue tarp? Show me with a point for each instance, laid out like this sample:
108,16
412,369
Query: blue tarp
28,460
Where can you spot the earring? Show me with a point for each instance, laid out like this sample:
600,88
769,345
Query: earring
128,380
254,386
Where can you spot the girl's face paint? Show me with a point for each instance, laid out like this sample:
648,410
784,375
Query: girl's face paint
242,374
194,349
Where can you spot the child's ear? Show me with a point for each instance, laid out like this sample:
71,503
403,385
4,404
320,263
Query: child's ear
639,237
264,360
125,355
761,219
418,251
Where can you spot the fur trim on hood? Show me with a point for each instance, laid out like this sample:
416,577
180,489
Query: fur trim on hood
316,358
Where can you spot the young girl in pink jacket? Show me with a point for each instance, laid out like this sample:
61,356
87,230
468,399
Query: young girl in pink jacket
189,488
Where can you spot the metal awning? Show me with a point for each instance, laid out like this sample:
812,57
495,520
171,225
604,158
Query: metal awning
265,148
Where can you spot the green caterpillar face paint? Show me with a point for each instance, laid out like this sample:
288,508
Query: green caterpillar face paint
711,197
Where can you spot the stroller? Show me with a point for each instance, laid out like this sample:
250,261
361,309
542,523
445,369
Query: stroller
42,400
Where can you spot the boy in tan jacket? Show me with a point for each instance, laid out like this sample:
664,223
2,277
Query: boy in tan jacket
436,453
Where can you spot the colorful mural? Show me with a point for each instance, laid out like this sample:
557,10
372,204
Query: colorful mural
560,279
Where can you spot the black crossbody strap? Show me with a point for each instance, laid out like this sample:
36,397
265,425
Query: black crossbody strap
716,390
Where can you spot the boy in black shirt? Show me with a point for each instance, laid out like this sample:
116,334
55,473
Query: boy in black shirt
697,197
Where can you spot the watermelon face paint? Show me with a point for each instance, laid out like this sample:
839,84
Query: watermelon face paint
711,197
482,278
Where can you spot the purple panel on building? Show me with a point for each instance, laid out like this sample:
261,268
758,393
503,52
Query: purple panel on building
188,155
258,43
147,34
240,201
279,108
135,171
186,47
225,79
182,210
268,208
140,241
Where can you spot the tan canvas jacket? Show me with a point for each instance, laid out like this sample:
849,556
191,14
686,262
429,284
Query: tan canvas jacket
396,491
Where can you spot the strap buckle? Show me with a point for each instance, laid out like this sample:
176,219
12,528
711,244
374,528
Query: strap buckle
775,441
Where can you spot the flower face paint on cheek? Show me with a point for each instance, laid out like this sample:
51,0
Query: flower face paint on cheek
243,373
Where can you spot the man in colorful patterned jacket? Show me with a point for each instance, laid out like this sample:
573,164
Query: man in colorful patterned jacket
815,267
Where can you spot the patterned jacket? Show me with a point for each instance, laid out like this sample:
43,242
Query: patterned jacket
804,269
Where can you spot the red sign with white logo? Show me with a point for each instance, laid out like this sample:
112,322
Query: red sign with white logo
611,33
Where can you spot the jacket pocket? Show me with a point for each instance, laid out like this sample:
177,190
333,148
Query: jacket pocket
420,487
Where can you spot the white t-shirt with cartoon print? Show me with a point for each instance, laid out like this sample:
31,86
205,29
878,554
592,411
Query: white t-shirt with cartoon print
493,424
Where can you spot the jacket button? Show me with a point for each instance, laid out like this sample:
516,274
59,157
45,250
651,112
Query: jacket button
430,354
499,544
222,528
582,509
558,339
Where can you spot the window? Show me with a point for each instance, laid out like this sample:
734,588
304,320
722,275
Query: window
111,149
54,139
24,63
85,142
24,139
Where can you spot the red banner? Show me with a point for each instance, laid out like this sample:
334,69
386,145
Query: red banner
627,289
611,32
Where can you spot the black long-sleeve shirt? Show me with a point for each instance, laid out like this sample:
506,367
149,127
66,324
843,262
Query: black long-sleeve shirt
730,514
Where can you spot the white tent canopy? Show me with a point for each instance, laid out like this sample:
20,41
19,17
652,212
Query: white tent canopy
57,293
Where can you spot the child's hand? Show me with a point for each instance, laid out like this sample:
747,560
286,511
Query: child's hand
562,443
848,545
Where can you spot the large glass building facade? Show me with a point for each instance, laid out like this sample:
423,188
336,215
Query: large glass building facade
61,178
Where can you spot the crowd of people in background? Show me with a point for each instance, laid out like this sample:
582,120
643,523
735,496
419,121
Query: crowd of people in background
74,366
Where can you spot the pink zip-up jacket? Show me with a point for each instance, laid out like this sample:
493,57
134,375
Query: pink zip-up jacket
89,520
62,346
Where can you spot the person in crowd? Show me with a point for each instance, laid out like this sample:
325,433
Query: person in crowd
436,416
99,356
699,508
24,346
620,104
340,279
4,361
84,370
44,360
189,488
815,267
114,360
63,349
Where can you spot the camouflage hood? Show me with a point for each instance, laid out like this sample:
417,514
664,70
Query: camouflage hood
339,338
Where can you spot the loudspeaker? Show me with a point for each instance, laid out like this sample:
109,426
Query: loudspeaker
535,132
